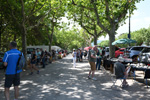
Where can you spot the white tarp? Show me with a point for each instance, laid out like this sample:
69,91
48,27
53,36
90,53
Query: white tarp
55,48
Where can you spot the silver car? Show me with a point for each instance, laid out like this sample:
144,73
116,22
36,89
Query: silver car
135,51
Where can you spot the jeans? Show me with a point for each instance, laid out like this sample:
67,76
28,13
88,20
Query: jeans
43,62
74,61
98,63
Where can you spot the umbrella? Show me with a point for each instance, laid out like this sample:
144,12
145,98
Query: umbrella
87,48
123,41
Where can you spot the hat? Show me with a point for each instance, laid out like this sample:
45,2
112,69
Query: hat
74,49
121,59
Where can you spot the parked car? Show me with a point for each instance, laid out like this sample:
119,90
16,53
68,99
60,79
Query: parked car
107,51
118,52
1,59
144,54
135,50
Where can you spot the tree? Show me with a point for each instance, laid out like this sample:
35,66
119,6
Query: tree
115,13
85,19
23,11
109,14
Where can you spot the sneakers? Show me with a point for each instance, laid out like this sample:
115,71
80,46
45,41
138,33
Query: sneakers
125,85
89,77
95,79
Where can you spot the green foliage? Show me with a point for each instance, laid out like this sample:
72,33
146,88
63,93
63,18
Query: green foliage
68,39
104,43
42,21
141,36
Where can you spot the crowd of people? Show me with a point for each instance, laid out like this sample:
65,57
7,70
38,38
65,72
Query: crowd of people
39,56
95,55
78,56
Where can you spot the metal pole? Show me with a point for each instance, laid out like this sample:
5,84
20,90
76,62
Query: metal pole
129,26
129,35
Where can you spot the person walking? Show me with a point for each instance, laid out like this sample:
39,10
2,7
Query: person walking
12,76
74,54
33,62
43,58
99,57
92,60
81,54
85,54
78,55
38,57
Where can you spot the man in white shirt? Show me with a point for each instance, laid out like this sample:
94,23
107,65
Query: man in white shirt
74,54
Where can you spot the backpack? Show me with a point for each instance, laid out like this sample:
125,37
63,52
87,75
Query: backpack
89,55
21,62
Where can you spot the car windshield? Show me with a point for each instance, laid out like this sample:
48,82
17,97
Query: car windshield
145,50
137,48
122,50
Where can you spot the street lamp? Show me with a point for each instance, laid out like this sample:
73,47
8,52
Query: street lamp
129,35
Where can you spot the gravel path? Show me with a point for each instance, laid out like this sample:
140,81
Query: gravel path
60,81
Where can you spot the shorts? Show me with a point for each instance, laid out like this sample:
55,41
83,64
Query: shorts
12,79
93,66
38,60
33,62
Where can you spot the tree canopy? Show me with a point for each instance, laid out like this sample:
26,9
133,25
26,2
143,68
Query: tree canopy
38,22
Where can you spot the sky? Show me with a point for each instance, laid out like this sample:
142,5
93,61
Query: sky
140,19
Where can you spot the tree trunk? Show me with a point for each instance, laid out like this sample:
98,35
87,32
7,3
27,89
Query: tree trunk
24,33
24,43
50,47
51,36
0,40
95,40
111,40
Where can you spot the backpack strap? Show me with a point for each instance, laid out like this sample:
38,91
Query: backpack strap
18,61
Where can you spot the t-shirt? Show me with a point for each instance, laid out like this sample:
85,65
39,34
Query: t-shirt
74,54
11,57
42,53
119,70
78,53
99,53
92,52
38,55
33,56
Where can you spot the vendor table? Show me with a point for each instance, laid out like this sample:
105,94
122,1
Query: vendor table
141,67
109,63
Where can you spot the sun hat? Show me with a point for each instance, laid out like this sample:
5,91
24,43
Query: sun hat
121,59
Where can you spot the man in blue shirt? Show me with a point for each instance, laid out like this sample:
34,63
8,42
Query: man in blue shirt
12,75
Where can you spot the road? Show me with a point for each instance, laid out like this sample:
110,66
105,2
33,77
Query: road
60,81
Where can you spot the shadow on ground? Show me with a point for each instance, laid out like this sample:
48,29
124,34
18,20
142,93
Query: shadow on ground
59,81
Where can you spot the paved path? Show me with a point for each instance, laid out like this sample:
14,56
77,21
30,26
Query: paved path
59,81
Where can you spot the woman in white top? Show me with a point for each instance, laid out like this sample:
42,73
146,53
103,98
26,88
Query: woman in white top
74,54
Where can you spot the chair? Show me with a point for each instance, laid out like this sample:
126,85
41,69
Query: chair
114,78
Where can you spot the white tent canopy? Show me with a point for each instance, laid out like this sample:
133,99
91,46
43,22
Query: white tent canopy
55,48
